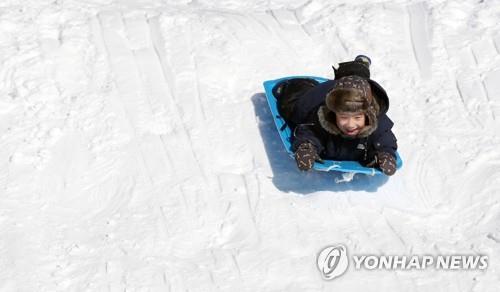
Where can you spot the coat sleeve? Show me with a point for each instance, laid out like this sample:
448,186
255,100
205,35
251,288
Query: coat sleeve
386,142
384,139
304,133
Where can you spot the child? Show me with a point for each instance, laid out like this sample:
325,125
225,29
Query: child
341,119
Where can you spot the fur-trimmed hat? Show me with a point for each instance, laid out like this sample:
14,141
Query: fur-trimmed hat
350,94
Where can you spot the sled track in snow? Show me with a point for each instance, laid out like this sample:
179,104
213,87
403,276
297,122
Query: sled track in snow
150,92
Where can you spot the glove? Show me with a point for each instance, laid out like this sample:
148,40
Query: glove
306,155
386,162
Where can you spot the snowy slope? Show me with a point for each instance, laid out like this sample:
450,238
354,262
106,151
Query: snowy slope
138,153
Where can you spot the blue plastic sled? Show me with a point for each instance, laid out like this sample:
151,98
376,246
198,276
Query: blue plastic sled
286,134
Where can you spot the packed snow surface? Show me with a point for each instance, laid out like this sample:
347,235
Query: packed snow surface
138,152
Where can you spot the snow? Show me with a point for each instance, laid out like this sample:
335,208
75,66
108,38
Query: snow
138,152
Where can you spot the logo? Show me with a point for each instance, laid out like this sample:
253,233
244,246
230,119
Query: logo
332,261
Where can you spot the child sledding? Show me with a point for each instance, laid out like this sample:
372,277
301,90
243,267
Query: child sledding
343,121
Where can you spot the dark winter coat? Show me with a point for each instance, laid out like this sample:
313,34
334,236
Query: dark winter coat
309,128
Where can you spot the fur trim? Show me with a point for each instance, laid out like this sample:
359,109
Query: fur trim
346,100
328,122
350,94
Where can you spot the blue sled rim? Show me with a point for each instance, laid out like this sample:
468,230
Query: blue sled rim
286,134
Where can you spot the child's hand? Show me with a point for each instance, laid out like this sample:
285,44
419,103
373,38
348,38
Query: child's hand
305,156
386,163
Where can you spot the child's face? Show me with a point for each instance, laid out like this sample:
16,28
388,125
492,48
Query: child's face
350,123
